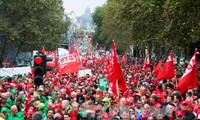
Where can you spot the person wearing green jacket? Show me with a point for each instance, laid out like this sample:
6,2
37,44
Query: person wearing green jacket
106,105
43,108
10,100
15,115
5,111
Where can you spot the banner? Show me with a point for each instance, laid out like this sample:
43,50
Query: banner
62,52
53,62
69,63
103,84
14,71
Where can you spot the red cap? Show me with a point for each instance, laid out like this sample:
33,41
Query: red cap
19,86
157,105
31,108
190,104
54,106
179,113
30,111
184,102
59,105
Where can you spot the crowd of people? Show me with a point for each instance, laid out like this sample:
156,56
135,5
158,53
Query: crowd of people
70,97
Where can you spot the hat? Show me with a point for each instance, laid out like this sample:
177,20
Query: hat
13,91
157,105
30,111
4,109
184,103
179,113
175,93
40,89
19,86
106,99
53,106
41,106
31,108
19,116
59,105
190,104
53,93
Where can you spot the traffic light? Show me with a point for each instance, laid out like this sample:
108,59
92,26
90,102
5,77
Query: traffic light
39,69
47,59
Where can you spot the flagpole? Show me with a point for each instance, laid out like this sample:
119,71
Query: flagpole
117,87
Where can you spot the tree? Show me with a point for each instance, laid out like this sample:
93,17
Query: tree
29,25
158,25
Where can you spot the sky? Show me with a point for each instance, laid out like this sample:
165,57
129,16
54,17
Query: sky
78,6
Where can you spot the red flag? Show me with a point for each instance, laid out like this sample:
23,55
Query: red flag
43,51
158,68
136,66
53,62
116,76
146,63
70,63
28,98
124,58
189,79
168,70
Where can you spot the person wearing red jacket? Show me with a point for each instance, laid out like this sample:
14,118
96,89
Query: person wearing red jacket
74,111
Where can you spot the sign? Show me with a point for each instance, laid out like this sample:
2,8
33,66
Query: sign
62,52
14,71
84,72
103,84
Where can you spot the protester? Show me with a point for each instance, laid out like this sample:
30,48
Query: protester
70,97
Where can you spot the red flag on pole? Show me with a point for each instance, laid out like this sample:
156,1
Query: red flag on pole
146,63
124,58
28,98
189,79
158,68
117,76
168,70
43,50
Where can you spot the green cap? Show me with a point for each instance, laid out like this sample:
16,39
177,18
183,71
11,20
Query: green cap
106,99
175,92
40,89
53,93
19,116
41,106
13,91
4,109
9,102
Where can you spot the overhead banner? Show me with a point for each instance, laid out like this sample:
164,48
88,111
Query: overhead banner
14,71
